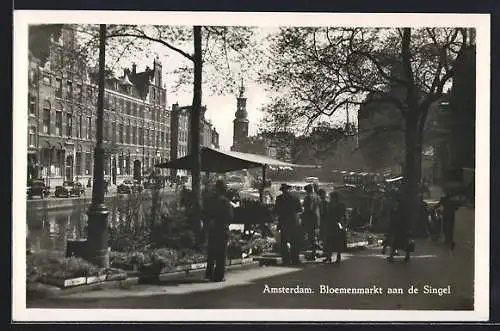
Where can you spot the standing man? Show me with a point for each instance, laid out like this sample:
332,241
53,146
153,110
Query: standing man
310,217
288,209
219,214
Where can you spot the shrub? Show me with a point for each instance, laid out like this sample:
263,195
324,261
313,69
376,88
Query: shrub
173,229
54,264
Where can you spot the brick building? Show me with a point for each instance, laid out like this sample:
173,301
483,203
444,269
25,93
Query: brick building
180,136
62,104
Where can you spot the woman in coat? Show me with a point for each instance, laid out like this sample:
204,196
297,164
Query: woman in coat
335,235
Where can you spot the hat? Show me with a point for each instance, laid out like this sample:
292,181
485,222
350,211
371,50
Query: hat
308,188
284,187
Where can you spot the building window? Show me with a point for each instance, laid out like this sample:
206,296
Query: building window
113,131
134,107
46,118
147,138
163,138
120,105
78,163
141,136
32,104
59,163
120,134
79,92
127,134
59,120
127,105
69,124
89,127
32,136
88,163
134,135
106,101
79,127
158,139
141,111
70,90
58,88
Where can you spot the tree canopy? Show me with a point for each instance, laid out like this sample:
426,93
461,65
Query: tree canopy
319,70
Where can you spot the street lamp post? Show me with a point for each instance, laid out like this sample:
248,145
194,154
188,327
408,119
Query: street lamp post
97,233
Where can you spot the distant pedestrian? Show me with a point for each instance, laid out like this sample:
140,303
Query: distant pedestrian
335,233
398,238
450,205
310,217
89,183
106,187
287,209
323,217
219,214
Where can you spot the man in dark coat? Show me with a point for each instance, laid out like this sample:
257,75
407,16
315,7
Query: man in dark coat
287,209
219,214
310,217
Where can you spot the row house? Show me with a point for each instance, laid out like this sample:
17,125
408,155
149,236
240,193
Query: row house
62,103
180,134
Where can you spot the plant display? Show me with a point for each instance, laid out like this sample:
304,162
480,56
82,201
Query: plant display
252,212
55,265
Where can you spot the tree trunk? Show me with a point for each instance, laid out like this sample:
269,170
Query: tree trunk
419,146
410,189
195,129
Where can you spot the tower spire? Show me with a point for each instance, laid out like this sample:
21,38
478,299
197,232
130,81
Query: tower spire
242,88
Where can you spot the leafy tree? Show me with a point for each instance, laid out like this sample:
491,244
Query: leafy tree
215,48
322,69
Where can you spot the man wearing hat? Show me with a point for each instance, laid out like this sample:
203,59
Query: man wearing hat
218,213
288,209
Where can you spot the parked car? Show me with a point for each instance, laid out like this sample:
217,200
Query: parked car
37,187
235,182
129,186
68,189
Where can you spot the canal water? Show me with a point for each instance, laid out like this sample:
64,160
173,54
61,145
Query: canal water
50,229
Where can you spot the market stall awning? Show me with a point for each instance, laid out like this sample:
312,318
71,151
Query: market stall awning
214,160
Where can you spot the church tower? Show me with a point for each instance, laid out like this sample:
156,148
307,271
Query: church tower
240,123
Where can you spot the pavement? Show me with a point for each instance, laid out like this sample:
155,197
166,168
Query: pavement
432,266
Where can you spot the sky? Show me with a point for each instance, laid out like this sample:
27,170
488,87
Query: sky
220,108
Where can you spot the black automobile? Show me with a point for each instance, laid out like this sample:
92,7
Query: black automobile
37,187
68,189
129,186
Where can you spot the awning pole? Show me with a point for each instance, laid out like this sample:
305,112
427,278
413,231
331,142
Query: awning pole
261,193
